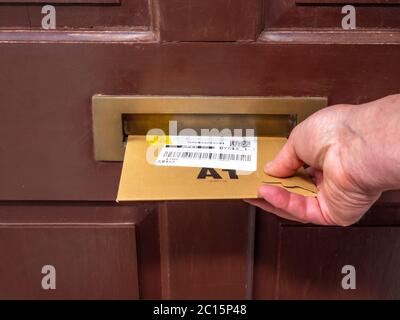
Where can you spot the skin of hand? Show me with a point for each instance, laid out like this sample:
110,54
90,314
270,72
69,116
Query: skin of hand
353,154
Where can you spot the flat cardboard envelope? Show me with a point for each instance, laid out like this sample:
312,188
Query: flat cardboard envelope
143,181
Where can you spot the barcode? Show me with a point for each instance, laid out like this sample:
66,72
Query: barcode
172,146
207,155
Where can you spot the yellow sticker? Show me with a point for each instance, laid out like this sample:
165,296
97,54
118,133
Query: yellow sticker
156,139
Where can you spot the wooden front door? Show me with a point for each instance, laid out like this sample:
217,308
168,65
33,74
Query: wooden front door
61,233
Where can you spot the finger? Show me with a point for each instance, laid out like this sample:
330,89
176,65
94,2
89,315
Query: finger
286,161
296,206
260,203
264,205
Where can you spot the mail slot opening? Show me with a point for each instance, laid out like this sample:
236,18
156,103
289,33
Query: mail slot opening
210,124
117,117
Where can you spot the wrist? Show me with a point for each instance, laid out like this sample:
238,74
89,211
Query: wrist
375,143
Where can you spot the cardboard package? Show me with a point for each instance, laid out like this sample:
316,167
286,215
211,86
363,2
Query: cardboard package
143,181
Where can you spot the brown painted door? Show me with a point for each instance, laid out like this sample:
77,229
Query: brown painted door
57,205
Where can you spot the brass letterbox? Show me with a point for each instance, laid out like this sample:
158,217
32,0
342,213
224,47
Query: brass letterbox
116,117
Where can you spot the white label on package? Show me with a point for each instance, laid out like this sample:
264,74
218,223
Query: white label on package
219,152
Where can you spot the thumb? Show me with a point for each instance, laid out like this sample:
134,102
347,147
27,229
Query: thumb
286,161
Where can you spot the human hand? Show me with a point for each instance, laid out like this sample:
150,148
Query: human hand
353,153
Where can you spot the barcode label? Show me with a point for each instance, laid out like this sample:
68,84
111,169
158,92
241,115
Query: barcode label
210,156
236,153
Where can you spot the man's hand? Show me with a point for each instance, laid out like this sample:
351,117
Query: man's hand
354,155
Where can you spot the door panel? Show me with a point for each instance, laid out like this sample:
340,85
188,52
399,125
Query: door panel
218,20
207,250
374,252
70,14
293,261
90,262
291,14
99,250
